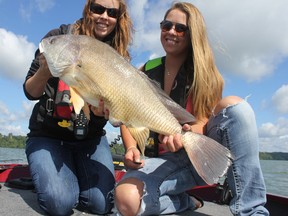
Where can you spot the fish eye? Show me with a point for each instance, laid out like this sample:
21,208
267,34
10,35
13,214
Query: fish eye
52,41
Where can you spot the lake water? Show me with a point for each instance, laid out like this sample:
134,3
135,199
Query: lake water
12,155
276,176
275,172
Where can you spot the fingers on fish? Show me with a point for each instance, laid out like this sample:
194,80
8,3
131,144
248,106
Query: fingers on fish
210,159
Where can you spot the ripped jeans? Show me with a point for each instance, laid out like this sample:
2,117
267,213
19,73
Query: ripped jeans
68,173
167,177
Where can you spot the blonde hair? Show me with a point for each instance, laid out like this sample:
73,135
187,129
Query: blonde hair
121,37
206,89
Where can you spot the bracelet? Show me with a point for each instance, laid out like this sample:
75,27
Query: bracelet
130,148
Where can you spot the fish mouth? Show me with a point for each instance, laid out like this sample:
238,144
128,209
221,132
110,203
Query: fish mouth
41,48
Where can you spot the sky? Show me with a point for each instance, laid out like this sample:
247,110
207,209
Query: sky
249,40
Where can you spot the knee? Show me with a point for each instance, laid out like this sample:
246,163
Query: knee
57,207
225,102
128,195
99,204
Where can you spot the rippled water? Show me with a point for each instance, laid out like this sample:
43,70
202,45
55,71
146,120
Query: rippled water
275,172
276,176
12,155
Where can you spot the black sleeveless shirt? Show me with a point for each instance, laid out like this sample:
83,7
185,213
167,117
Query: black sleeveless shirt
155,70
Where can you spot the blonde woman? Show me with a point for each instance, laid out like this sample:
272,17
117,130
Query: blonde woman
189,75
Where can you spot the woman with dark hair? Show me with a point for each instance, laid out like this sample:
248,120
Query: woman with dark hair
69,157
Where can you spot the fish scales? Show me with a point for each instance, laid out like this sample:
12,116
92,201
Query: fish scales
140,111
94,70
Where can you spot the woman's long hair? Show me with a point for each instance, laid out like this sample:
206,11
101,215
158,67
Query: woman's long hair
120,38
206,89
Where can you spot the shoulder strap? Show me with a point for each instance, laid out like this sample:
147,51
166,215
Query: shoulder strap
153,63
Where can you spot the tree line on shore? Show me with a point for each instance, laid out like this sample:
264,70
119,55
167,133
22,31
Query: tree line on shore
12,141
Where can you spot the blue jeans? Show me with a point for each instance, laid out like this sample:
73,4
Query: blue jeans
167,177
66,174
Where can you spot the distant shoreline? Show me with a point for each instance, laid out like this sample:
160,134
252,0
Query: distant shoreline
273,156
12,141
262,155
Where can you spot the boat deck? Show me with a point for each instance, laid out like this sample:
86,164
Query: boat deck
18,202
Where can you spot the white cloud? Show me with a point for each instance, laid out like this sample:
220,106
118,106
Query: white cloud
44,5
278,129
13,129
3,108
146,16
15,122
276,144
25,11
280,99
16,54
112,132
28,8
252,33
274,136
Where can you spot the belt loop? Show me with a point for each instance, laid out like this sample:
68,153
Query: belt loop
49,104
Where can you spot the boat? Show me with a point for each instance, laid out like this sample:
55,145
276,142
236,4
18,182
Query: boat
19,198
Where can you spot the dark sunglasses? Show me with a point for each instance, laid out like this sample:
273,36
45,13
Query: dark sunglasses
99,9
180,29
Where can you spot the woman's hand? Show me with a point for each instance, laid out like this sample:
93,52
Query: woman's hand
35,85
173,143
44,69
132,158
100,110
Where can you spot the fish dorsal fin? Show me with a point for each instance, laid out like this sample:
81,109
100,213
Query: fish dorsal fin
79,103
141,135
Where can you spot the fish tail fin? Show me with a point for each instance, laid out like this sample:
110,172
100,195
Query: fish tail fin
210,159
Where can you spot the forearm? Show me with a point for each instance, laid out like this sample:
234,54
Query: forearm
199,126
35,85
128,140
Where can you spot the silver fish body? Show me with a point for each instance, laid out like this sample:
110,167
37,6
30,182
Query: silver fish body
95,70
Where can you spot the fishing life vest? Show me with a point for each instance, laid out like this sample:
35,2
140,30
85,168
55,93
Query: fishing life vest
151,64
56,104
153,69
62,106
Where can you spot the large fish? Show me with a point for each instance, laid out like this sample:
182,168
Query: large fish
94,70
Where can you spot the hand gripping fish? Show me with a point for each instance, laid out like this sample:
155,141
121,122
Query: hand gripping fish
94,70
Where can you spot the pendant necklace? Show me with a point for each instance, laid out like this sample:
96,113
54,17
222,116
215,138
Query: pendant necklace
167,72
174,85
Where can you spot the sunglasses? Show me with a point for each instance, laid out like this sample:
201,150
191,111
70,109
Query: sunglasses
99,9
180,29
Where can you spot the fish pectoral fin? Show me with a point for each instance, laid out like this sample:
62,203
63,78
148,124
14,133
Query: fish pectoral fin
210,159
86,110
76,100
140,135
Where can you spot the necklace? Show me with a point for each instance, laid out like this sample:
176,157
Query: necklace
167,71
